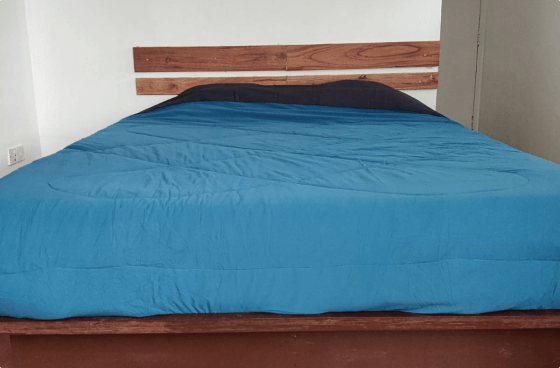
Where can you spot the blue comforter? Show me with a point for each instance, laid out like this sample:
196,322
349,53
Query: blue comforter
207,207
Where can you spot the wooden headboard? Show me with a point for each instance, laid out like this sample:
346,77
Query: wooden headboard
286,58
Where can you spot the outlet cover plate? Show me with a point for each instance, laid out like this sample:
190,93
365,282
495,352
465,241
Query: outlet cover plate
15,154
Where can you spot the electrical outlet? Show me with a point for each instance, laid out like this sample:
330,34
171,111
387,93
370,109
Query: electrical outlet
12,160
15,155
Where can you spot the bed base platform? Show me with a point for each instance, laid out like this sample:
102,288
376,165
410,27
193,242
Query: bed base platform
373,339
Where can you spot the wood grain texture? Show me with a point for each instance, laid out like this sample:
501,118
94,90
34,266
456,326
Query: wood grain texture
262,322
363,55
380,349
285,57
7,359
174,86
189,59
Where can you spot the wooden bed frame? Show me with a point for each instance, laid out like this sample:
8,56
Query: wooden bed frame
366,339
287,59
382,339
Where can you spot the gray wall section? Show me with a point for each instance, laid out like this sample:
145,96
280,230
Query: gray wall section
459,32
519,75
520,95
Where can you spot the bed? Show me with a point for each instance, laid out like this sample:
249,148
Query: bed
290,222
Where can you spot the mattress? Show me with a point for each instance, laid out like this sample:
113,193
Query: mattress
218,205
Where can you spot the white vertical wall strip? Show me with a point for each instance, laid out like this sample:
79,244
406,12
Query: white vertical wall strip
18,119
458,59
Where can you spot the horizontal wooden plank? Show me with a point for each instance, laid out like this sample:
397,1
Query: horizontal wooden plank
402,81
363,55
262,322
379,349
174,86
190,59
284,57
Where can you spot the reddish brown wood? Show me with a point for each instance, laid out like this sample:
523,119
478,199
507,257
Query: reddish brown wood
174,86
7,359
262,322
449,349
177,59
282,57
363,55
402,81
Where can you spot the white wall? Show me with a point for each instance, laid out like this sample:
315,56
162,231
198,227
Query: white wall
520,91
458,59
18,120
81,51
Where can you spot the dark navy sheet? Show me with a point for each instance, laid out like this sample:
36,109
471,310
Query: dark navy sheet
208,206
